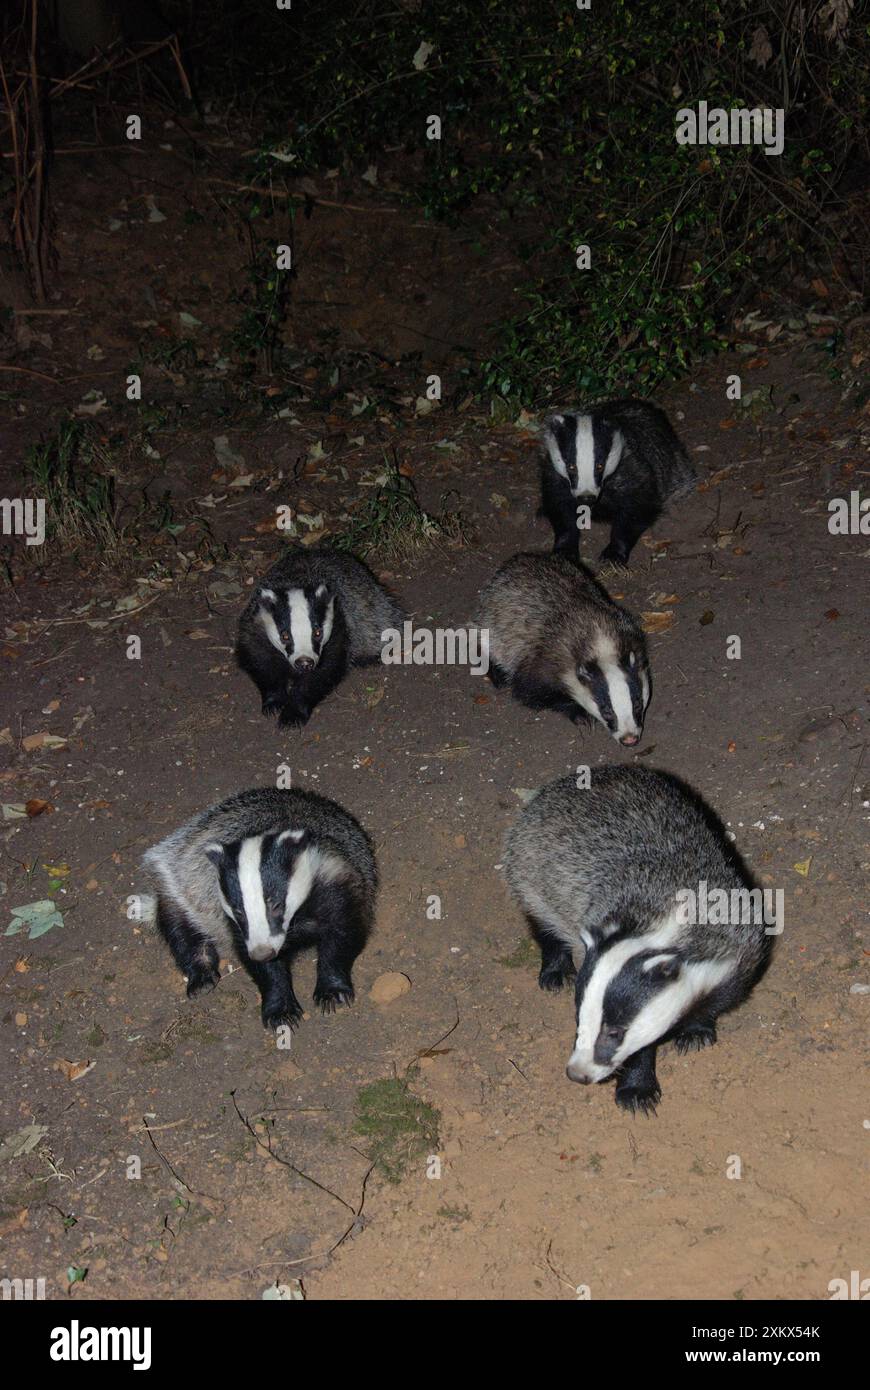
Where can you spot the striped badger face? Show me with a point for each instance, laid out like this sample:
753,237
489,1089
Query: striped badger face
584,450
612,685
298,623
263,881
631,992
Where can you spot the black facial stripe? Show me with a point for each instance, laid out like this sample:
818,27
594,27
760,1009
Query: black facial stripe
602,438
625,997
632,675
229,880
597,683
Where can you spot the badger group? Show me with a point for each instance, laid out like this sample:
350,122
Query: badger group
597,866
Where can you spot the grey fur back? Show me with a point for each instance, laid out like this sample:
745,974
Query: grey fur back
186,875
367,606
650,437
545,609
578,859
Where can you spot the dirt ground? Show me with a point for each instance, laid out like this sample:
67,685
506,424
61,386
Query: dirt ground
251,1169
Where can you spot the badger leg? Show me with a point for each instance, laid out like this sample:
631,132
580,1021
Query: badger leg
560,509
341,937
557,963
637,1086
278,1004
628,526
530,692
306,692
269,671
194,954
497,675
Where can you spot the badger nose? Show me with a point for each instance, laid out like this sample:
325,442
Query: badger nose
303,663
575,1073
629,740
262,953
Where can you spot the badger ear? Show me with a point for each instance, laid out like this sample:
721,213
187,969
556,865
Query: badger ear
321,591
664,967
215,853
297,838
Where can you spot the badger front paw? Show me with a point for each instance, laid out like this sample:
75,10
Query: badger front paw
637,1097
694,1037
294,715
328,997
281,1013
201,978
556,973
615,554
273,704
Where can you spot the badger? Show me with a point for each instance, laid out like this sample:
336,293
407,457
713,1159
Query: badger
266,873
622,460
613,866
313,615
561,643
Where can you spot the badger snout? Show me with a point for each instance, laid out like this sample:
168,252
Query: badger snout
262,953
629,740
303,663
577,1073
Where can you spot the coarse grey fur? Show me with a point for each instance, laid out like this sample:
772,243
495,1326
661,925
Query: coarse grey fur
606,867
187,877
584,859
549,619
368,609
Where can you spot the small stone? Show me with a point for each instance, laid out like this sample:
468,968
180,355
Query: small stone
389,986
859,989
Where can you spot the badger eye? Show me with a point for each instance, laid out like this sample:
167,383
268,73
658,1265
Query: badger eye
614,1034
317,633
285,635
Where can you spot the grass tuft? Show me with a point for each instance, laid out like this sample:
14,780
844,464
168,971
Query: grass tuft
400,1127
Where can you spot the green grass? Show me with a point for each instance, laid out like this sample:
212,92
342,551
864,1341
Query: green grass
72,471
401,1129
391,523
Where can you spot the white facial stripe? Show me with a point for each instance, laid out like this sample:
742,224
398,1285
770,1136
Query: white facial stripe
585,457
556,457
620,699
251,888
670,1004
300,883
300,623
614,456
581,693
267,623
656,960
327,622
644,688
591,1011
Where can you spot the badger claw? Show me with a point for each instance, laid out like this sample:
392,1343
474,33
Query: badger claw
637,1099
694,1039
328,997
281,1016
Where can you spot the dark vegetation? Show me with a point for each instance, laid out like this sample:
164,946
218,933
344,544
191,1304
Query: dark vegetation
557,123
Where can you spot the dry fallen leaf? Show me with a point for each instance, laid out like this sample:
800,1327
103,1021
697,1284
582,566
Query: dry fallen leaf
657,622
73,1071
34,741
38,807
